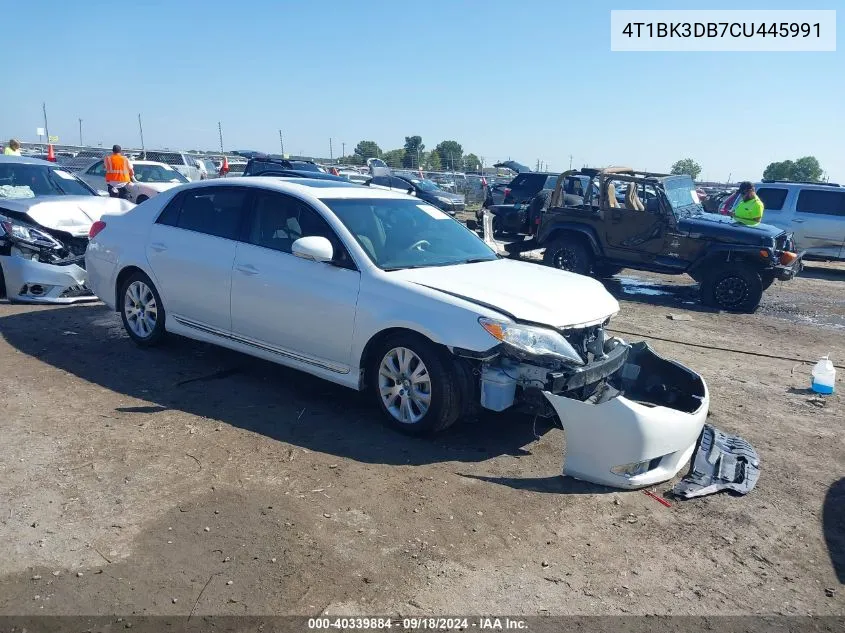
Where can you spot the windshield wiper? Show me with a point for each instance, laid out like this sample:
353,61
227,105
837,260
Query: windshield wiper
479,260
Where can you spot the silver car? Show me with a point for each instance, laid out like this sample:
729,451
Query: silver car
814,212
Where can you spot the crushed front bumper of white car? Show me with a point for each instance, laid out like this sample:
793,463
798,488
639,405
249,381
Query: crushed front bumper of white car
630,420
31,281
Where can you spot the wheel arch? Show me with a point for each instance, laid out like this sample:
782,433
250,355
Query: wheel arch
565,230
118,284
379,337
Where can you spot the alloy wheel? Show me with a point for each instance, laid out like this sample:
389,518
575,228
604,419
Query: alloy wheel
140,308
405,385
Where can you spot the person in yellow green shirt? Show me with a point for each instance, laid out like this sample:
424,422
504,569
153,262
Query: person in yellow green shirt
13,149
749,209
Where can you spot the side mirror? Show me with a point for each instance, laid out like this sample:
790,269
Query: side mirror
313,247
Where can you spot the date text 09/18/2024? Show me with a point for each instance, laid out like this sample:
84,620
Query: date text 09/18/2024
480,623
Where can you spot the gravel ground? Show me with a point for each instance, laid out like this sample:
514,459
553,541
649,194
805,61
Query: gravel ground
189,478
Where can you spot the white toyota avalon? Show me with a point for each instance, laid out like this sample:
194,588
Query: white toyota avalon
380,291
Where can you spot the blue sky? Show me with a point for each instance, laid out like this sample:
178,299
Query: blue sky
525,80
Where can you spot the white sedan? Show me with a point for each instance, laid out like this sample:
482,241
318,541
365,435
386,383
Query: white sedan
380,291
151,178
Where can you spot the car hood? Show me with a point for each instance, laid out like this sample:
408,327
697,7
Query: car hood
725,229
454,197
71,214
525,292
158,187
515,166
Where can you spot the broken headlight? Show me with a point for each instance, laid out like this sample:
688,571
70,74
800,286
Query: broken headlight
25,235
532,340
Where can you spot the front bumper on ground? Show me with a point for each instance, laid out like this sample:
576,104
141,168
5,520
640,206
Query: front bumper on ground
34,282
646,433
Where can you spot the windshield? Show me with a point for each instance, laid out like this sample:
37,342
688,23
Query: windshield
408,234
157,173
425,185
18,180
680,192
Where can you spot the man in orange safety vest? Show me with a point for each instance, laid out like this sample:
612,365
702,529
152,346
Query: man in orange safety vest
119,173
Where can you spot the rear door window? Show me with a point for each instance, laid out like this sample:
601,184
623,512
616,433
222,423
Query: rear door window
821,202
772,198
217,211
168,158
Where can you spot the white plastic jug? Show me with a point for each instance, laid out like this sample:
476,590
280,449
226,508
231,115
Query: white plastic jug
824,376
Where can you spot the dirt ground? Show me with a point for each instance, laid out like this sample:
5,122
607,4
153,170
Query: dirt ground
189,478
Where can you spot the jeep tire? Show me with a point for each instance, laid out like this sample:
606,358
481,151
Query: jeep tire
732,287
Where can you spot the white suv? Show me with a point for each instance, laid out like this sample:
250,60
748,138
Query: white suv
380,291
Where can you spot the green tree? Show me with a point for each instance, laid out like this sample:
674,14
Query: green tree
394,158
413,151
779,171
806,168
450,153
432,161
472,163
352,159
686,166
367,149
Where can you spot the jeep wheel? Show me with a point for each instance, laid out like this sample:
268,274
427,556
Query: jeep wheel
768,280
570,254
733,288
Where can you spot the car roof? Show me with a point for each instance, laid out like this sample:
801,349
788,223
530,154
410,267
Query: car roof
798,183
150,162
27,160
310,187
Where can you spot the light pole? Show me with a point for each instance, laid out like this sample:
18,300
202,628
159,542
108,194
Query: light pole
141,130
80,132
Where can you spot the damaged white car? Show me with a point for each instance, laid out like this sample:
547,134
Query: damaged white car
45,216
380,291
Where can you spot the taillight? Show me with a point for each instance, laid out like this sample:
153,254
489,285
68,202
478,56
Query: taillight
507,192
98,226
786,258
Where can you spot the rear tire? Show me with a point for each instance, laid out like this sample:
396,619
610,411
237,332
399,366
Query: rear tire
768,280
732,287
141,310
415,385
569,253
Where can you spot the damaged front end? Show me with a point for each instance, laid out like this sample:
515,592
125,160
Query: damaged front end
40,265
631,417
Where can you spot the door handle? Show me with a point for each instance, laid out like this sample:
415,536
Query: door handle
247,269
158,247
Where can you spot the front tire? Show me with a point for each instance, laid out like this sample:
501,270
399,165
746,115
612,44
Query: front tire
415,385
141,310
733,288
570,254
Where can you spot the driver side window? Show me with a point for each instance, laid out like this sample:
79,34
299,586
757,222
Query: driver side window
278,221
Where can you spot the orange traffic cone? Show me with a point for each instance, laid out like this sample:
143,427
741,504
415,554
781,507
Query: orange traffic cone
51,154
224,167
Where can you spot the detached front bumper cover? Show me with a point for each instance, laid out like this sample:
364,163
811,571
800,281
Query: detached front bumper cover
644,432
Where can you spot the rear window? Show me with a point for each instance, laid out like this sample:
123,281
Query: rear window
551,181
821,202
216,211
168,158
772,198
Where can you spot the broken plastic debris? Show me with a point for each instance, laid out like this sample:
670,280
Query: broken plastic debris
721,462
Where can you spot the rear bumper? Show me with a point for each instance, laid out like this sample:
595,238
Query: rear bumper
652,427
34,282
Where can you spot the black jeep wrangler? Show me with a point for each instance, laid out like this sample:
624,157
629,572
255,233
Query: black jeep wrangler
647,221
